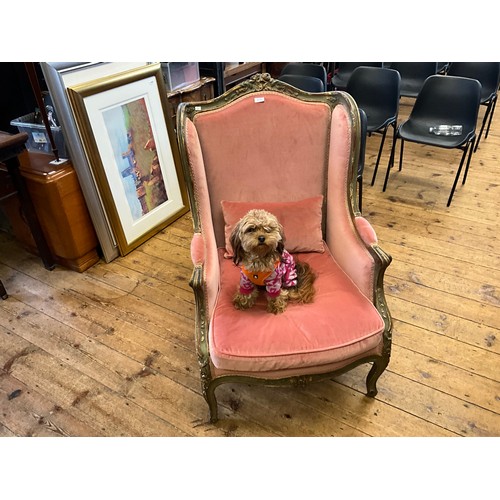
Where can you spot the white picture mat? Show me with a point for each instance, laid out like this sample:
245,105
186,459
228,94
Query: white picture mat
95,106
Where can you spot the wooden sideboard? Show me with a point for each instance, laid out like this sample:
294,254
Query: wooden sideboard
55,195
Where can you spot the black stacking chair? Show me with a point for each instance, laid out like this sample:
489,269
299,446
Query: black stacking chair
376,92
488,74
344,72
303,82
413,75
443,100
306,69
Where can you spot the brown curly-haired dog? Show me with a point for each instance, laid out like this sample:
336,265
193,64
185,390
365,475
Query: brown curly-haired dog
258,243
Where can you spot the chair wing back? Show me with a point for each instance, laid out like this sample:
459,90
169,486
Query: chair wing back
265,141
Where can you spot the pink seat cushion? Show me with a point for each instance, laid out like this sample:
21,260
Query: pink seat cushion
339,325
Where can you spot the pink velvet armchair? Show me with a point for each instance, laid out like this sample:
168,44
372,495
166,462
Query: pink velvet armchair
265,144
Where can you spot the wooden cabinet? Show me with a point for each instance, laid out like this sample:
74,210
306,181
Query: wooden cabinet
202,90
61,210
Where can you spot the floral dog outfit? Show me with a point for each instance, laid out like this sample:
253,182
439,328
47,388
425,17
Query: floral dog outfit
284,275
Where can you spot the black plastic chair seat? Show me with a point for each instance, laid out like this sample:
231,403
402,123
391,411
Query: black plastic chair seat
377,120
419,131
488,75
443,100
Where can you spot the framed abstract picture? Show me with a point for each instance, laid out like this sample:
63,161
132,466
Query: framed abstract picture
131,151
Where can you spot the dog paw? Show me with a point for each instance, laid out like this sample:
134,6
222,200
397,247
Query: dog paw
277,305
243,302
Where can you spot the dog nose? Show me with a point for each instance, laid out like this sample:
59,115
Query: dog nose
262,239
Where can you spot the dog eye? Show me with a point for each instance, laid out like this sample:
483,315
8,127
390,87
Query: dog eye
250,229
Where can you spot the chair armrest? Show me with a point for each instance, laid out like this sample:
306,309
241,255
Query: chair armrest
380,262
198,249
205,285
354,245
205,278
366,231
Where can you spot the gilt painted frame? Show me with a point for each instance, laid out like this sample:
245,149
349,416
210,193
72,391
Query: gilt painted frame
132,152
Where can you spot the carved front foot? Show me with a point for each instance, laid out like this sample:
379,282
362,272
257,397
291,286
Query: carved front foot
209,394
371,380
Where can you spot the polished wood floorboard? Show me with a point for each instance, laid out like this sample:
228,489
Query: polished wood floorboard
110,352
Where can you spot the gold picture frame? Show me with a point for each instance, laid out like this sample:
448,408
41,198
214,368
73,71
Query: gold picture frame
132,152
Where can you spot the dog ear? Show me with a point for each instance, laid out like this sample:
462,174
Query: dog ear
235,241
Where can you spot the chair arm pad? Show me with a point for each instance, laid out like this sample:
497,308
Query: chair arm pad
198,249
205,279
366,231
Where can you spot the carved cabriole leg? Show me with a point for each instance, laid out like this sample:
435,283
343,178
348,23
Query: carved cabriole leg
201,336
209,393
379,365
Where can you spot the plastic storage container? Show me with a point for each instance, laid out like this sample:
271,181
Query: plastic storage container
38,139
180,74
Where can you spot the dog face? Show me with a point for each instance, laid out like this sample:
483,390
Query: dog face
258,233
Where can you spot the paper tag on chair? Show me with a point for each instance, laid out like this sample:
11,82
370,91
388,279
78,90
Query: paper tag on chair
258,99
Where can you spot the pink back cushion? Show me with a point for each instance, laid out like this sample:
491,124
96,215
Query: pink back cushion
301,221
270,150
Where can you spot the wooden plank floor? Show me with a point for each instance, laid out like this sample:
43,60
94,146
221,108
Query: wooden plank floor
110,352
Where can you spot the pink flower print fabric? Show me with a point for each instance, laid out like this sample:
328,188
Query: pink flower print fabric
284,275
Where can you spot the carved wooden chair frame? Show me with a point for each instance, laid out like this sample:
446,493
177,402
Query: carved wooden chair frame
209,382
